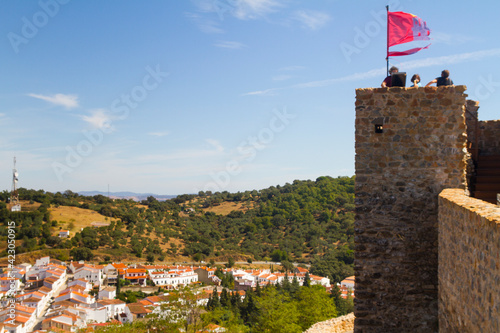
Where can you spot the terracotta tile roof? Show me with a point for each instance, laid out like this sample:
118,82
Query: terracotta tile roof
349,279
83,280
76,288
51,279
24,309
110,301
32,299
19,318
44,290
119,265
86,267
157,299
66,303
138,308
80,294
7,278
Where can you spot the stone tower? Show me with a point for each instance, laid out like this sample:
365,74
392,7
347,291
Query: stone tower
410,145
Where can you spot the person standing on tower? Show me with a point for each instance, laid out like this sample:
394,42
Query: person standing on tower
388,80
444,80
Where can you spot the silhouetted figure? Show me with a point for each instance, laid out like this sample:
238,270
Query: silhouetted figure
444,80
388,80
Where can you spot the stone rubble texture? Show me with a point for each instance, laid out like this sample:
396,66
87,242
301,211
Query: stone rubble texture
343,324
469,264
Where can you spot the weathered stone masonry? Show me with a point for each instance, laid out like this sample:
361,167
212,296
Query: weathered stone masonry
410,145
469,264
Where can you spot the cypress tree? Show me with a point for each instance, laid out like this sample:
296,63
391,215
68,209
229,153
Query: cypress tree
224,298
258,291
295,286
215,298
285,284
307,280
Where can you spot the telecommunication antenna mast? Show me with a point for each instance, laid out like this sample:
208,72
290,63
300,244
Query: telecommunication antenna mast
14,196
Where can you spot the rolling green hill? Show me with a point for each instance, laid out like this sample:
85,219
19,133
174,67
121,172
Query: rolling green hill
305,221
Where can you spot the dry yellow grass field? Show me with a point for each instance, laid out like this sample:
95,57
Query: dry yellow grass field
26,206
226,208
80,217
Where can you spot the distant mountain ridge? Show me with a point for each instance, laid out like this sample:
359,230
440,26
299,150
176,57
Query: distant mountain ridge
129,195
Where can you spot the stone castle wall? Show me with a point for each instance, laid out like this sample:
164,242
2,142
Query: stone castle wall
343,324
489,137
469,264
410,145
471,120
487,131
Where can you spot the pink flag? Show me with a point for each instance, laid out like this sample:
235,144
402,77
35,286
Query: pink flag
403,28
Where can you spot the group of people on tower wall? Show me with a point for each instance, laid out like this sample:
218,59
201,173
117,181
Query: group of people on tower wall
443,80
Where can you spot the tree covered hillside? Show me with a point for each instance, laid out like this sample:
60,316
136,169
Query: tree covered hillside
306,221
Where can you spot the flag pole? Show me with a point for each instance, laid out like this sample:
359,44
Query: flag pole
387,57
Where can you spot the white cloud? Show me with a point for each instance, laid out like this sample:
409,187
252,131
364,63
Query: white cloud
253,9
216,144
99,118
353,77
158,134
311,19
241,9
381,72
267,92
282,77
230,45
292,68
451,39
206,25
451,59
68,101
181,155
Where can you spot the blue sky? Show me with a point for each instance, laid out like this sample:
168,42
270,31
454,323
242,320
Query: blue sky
174,97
